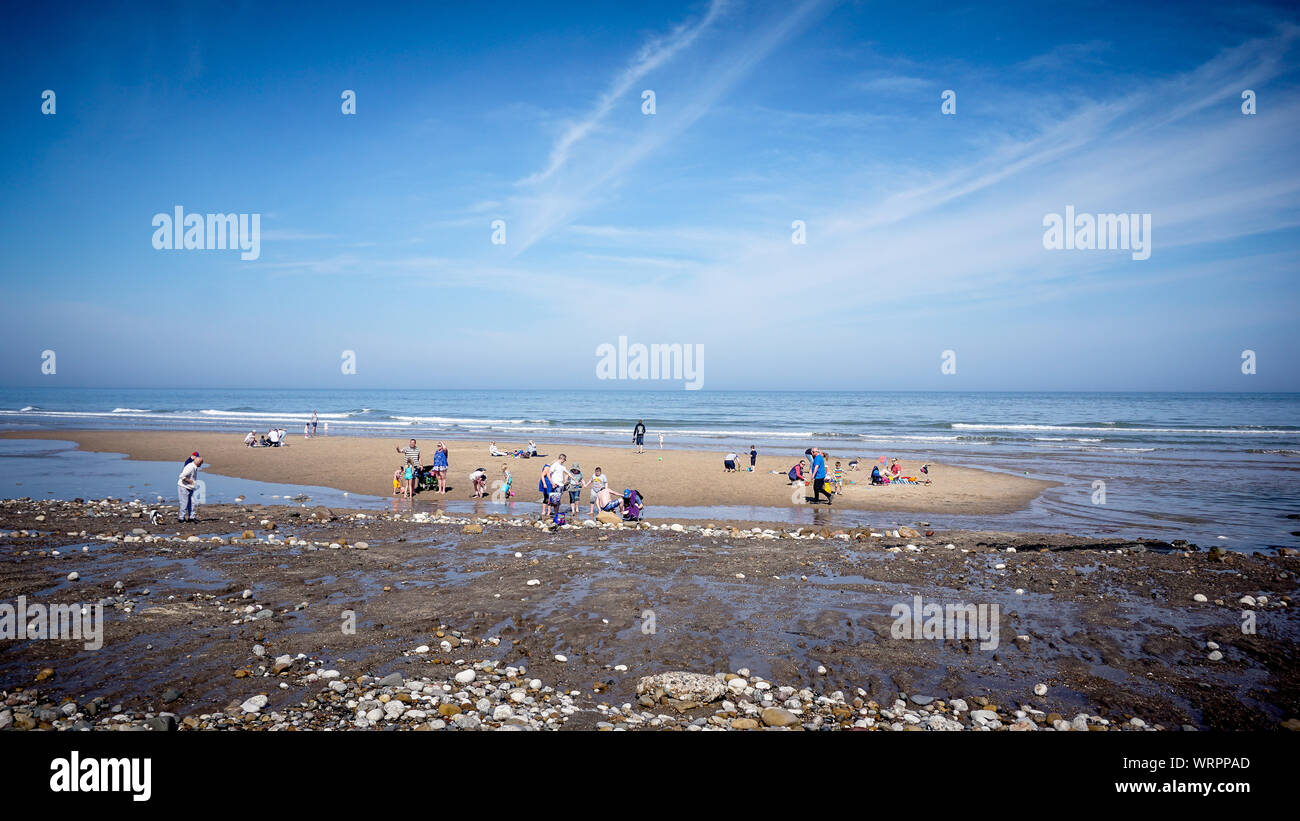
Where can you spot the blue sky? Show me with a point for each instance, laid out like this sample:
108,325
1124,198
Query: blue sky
924,230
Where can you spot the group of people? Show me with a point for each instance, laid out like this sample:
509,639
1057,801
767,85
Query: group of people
274,438
731,459
528,452
411,477
802,474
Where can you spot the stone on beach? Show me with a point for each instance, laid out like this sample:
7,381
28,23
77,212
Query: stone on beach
682,686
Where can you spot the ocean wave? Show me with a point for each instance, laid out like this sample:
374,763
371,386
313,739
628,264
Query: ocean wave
1108,429
130,410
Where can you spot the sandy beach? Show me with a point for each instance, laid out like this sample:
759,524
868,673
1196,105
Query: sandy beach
665,477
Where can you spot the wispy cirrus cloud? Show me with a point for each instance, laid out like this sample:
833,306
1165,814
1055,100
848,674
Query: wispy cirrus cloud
651,56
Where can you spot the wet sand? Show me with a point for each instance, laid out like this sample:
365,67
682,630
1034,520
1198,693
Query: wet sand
1111,628
668,477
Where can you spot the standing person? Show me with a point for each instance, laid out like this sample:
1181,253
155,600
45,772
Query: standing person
661,440
574,487
186,484
408,474
313,423
440,465
506,492
598,482
411,452
638,436
191,458
819,477
306,430
545,486
753,457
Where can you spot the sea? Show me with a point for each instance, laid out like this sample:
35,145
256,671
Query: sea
1213,468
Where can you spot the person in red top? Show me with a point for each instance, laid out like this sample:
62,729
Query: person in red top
894,466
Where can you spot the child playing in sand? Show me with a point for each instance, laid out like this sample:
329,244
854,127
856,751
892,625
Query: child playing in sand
838,476
397,482
479,481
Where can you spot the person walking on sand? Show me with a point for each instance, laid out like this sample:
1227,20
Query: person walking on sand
186,485
819,477
638,436
753,457
313,423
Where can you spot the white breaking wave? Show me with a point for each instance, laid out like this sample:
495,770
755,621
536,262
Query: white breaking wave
1083,429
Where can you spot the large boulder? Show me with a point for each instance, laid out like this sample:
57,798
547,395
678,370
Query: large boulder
608,518
688,687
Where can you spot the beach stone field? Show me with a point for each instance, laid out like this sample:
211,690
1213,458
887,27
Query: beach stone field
297,618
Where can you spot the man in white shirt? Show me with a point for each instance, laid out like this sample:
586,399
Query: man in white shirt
559,473
186,485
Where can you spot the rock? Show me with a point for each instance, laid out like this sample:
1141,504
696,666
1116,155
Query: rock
170,694
282,663
254,704
395,680
682,686
1040,689
47,672
248,534
472,529
1216,655
608,518
744,724
1199,597
73,576
922,700
908,533
465,677
161,724
776,717
448,710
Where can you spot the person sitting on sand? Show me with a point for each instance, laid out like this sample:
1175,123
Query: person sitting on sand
894,467
796,473
531,450
493,450
876,478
